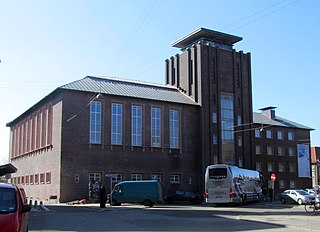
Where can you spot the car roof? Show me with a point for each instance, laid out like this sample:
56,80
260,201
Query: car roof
9,186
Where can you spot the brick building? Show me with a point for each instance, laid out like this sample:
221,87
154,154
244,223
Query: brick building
113,129
282,147
315,161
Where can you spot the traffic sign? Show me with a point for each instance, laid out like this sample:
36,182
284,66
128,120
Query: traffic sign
111,175
273,177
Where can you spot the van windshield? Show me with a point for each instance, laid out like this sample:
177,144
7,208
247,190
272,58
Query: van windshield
8,202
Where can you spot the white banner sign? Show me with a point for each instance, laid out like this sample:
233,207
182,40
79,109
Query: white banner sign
303,160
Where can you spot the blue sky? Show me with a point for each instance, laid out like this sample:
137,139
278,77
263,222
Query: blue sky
45,44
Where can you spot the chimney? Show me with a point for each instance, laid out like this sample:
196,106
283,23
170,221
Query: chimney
269,112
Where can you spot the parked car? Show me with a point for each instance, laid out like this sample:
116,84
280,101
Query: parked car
296,196
184,196
13,208
310,191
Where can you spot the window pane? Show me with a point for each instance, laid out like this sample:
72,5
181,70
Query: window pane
95,122
136,125
116,128
174,128
155,127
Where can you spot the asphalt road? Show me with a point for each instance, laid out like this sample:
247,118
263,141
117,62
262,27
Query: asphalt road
175,217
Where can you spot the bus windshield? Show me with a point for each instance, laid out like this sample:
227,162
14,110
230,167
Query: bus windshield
218,173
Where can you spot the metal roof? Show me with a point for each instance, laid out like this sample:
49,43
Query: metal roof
259,118
211,35
7,169
129,88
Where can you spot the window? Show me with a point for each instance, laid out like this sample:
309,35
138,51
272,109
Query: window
257,133
239,141
76,178
214,139
240,161
282,184
95,122
258,149
156,177
48,178
281,151
174,129
269,134
259,166
281,167
239,120
215,159
36,178
93,177
31,179
189,180
227,129
270,167
280,135
292,151
174,179
290,136
292,184
136,177
116,122
292,168
270,150
136,127
42,176
227,118
22,179
27,179
214,118
155,127
116,178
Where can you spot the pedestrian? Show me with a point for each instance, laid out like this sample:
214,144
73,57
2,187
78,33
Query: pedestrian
264,194
271,194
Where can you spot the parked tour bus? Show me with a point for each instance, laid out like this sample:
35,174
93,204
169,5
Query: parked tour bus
231,184
147,192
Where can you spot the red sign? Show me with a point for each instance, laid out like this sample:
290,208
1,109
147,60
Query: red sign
273,177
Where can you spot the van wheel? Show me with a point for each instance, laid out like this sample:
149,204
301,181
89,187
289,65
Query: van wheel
115,203
148,203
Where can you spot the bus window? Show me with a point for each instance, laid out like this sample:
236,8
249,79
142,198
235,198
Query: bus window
218,173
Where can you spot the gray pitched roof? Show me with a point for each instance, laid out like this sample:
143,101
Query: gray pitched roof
259,118
129,88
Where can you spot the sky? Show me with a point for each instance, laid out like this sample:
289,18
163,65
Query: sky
46,44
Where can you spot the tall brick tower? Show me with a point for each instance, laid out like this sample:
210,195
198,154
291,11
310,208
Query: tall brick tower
216,76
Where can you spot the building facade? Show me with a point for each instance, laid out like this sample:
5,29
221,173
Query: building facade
110,129
315,161
282,147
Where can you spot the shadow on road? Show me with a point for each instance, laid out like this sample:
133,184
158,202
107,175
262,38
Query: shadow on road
159,218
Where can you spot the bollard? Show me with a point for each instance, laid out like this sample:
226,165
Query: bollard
42,207
102,196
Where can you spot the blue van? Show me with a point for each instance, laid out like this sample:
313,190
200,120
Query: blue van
147,192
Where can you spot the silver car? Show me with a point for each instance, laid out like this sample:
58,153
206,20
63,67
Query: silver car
296,196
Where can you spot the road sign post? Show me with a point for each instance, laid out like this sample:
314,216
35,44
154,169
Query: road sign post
273,179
